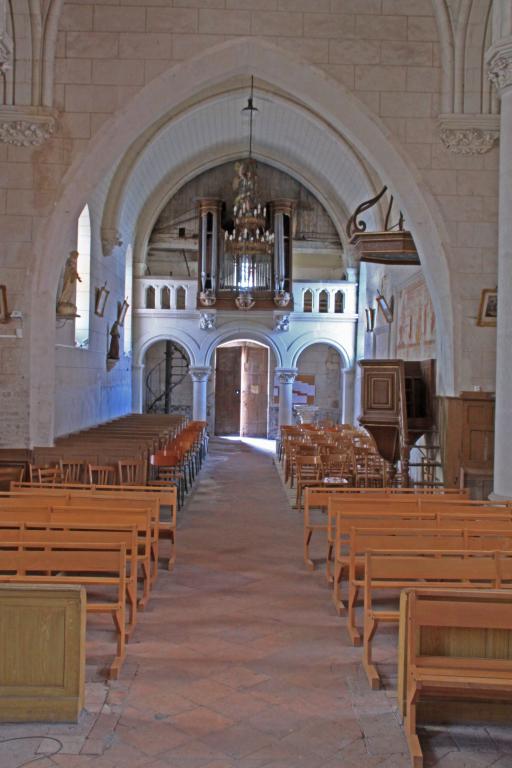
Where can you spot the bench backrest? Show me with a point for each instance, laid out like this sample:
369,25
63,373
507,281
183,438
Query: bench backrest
463,568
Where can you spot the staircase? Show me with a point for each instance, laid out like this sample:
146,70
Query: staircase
163,378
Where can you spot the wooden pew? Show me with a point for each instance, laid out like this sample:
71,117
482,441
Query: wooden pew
83,533
476,670
164,495
91,565
363,540
434,569
337,500
43,511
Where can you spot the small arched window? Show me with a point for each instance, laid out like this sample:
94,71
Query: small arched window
150,297
339,302
83,288
165,298
307,303
323,301
180,297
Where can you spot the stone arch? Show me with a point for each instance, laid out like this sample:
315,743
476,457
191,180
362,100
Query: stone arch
302,82
183,339
308,339
250,332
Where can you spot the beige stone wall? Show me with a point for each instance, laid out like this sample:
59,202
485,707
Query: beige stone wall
386,51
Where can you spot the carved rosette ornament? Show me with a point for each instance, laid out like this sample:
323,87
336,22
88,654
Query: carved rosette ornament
207,321
25,128
469,134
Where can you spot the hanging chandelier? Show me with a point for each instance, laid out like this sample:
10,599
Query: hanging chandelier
250,243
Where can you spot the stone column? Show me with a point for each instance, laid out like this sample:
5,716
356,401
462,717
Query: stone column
200,376
499,59
347,404
286,378
138,388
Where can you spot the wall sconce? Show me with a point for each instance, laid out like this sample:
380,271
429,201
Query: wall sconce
370,313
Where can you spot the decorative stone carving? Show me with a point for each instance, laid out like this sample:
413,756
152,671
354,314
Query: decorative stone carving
199,373
499,61
287,376
110,239
24,127
469,134
281,299
208,321
244,301
282,323
5,52
207,298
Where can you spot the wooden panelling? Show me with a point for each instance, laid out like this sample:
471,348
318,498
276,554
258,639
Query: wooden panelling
42,664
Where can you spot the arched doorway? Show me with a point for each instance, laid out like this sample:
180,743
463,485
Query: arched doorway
242,378
167,385
319,382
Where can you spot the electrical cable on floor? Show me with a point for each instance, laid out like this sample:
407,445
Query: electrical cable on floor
35,759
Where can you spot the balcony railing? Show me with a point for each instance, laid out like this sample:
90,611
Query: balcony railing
162,293
330,297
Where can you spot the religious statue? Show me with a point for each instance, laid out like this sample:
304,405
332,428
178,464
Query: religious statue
66,304
115,333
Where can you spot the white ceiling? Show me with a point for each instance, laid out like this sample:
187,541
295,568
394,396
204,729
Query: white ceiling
285,135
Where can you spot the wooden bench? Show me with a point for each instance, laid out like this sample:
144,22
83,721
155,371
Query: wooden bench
91,565
478,671
370,497
363,540
164,495
392,570
43,511
84,533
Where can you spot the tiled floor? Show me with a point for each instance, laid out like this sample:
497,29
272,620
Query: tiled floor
239,659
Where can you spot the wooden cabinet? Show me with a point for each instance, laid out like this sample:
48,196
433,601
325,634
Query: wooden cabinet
42,664
466,433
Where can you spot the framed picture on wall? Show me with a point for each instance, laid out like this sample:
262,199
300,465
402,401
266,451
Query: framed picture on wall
102,295
4,312
122,309
387,307
488,312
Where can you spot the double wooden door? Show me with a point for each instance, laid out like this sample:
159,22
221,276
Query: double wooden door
241,391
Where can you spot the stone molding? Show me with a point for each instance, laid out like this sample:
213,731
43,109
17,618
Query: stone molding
469,134
200,373
25,126
499,62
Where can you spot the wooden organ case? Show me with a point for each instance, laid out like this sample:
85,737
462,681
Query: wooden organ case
397,406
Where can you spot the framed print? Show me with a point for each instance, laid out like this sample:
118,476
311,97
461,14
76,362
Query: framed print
122,309
488,312
387,307
4,312
102,295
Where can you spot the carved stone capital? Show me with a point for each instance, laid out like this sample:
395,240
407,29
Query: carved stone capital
282,322
25,126
5,52
208,321
469,134
200,373
287,375
499,62
110,238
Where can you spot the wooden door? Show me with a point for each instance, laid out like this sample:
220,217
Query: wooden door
227,391
254,392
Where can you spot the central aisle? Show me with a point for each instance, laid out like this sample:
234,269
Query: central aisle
241,659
